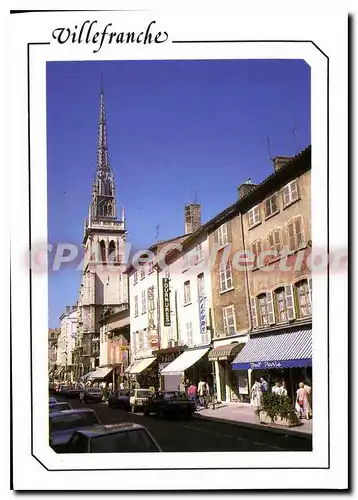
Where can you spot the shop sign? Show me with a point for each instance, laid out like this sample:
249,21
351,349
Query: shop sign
166,302
202,313
151,307
266,365
153,338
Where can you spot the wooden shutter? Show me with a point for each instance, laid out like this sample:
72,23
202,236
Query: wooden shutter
286,194
225,322
251,217
277,239
299,232
290,304
267,207
271,241
294,190
310,288
270,308
257,214
291,236
274,203
253,312
229,231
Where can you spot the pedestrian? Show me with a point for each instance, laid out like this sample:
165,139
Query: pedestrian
121,385
203,390
192,392
264,385
256,395
282,389
308,390
82,393
276,388
302,404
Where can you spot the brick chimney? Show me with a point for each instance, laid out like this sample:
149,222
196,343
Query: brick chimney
245,188
192,217
280,161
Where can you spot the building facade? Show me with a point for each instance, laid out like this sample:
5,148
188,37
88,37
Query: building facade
66,343
53,334
103,282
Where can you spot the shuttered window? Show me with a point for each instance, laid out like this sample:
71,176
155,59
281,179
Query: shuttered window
229,320
253,312
270,205
266,309
144,302
222,235
187,295
303,298
225,276
136,306
254,216
284,303
290,193
295,234
189,333
256,250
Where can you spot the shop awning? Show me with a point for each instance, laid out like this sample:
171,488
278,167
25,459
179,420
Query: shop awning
224,352
280,350
140,365
88,375
184,361
59,371
101,372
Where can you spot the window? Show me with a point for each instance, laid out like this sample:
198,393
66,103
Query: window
222,235
303,292
270,205
135,279
290,193
225,276
136,306
150,266
266,315
284,304
295,234
189,333
112,252
229,320
142,272
256,250
185,262
187,297
199,252
117,354
102,247
144,302
274,243
254,216
201,285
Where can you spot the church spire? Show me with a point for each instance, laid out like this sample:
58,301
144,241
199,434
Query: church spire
102,148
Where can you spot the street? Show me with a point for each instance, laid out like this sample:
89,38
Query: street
199,435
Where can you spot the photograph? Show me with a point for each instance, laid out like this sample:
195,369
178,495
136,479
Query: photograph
179,248
180,278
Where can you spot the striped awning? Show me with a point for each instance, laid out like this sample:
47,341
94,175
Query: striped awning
277,350
224,352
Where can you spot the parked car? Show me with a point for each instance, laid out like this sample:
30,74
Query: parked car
119,399
62,424
52,400
174,403
92,394
138,397
60,406
62,389
118,438
73,392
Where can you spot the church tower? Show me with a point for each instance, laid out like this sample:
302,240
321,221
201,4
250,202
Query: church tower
103,284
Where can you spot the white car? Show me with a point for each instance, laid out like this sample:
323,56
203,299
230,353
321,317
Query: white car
138,397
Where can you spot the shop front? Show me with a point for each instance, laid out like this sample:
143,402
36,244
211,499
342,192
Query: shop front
143,373
192,364
165,357
231,385
282,356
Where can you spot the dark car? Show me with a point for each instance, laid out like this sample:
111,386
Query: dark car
169,403
92,394
62,390
119,399
60,406
118,438
73,392
62,424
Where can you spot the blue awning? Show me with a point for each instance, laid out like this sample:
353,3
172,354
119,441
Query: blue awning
277,350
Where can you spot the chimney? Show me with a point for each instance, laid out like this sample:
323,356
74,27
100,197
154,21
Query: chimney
245,188
280,161
192,217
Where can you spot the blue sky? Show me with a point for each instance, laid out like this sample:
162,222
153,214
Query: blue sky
174,127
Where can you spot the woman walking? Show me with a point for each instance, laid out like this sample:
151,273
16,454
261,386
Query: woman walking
256,396
302,402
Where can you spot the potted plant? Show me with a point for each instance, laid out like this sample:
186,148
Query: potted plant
277,409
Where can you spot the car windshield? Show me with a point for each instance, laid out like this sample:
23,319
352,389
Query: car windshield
123,393
144,394
72,421
93,390
175,395
123,442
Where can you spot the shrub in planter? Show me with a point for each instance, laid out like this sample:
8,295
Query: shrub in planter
276,406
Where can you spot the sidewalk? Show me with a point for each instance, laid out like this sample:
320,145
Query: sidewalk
243,414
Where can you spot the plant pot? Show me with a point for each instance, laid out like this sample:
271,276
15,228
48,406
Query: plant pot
265,419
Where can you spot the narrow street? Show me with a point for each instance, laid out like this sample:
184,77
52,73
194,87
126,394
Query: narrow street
197,435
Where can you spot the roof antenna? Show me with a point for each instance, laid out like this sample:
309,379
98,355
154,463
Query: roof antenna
294,135
157,227
196,196
269,148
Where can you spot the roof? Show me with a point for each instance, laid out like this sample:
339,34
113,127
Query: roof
71,412
98,430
